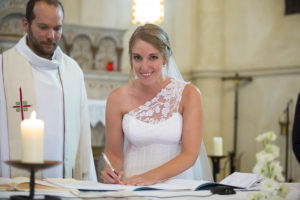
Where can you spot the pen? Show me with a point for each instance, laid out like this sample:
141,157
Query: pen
108,163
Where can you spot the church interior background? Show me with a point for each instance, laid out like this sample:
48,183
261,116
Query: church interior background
212,40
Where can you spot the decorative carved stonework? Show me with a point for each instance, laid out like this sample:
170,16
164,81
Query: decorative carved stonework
99,84
93,48
7,4
107,52
11,14
12,25
81,51
10,30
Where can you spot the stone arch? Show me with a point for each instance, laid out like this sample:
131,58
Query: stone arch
10,30
11,24
81,51
106,53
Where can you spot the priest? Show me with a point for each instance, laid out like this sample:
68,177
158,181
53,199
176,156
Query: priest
36,75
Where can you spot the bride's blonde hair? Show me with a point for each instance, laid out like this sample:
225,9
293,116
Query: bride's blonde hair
153,35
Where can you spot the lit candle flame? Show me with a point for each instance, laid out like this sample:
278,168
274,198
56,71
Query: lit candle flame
33,115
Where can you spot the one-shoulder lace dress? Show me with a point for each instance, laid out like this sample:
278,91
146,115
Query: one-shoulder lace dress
153,132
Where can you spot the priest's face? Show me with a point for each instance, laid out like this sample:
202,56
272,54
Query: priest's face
44,32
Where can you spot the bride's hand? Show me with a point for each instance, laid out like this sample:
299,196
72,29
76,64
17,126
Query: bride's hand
141,180
111,177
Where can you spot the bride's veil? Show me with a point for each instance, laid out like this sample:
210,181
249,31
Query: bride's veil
201,168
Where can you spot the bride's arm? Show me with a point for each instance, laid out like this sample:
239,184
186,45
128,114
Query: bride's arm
114,138
191,109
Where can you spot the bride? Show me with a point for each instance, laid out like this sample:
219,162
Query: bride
158,115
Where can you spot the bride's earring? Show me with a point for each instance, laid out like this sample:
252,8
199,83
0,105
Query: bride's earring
164,70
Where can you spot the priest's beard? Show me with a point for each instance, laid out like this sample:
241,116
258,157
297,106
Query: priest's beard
37,46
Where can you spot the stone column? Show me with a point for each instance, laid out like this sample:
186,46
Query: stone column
207,72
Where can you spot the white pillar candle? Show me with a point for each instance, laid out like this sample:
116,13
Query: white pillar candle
218,146
32,136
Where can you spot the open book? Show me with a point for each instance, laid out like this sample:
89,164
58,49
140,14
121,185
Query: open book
235,180
23,184
240,180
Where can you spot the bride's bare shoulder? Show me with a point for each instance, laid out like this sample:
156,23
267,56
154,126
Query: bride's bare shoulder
120,96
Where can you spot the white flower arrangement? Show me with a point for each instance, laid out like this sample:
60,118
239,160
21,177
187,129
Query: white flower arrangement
270,169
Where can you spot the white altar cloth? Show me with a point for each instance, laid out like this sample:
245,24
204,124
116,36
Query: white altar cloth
97,111
150,195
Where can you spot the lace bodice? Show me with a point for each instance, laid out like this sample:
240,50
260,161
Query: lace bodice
154,130
162,106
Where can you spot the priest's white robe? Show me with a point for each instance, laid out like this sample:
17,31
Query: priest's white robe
51,79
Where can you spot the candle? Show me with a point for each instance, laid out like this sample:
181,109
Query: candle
32,137
218,146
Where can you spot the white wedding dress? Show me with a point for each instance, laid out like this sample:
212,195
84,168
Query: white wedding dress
153,132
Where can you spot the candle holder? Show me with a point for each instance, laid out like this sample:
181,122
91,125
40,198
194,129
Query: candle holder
216,165
32,168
